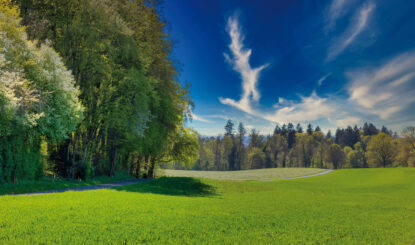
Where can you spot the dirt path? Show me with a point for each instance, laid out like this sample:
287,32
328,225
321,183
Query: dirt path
87,187
305,176
131,182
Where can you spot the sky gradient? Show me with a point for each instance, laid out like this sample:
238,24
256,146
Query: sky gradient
329,63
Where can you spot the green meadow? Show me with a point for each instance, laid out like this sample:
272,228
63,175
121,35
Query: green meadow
353,206
45,184
255,174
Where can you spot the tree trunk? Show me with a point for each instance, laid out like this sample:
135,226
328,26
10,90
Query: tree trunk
67,170
151,168
131,165
138,167
113,162
74,157
84,156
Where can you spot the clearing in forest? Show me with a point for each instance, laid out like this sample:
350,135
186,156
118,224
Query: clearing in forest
255,174
347,206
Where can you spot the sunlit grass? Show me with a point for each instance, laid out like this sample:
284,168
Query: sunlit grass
255,174
357,206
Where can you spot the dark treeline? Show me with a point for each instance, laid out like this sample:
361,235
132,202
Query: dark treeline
293,146
88,87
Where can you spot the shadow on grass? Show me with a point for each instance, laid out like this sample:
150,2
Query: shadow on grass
174,186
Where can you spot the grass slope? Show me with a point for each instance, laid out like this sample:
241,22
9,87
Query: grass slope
257,174
357,206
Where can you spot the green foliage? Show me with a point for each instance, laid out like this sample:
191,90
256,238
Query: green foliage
351,206
130,110
37,96
229,128
406,155
119,55
335,156
310,149
256,158
381,150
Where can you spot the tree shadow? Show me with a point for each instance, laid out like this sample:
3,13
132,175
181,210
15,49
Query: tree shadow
174,186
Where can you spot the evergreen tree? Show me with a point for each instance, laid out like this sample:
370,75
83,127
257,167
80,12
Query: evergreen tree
299,128
386,130
277,130
284,131
229,128
309,129
370,129
365,128
291,135
241,132
338,136
329,135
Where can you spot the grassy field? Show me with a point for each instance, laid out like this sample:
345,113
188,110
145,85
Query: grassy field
356,206
257,174
49,184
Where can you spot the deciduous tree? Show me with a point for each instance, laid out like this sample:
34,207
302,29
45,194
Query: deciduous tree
381,150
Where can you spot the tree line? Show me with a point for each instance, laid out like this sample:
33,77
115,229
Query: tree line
292,146
88,87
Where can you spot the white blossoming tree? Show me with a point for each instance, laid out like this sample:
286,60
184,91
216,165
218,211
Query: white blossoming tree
38,99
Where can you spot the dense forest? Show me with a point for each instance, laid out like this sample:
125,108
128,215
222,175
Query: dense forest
290,146
88,87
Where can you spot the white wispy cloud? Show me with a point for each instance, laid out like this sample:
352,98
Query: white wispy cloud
359,23
308,109
323,78
374,93
387,89
239,59
348,121
336,10
249,127
200,118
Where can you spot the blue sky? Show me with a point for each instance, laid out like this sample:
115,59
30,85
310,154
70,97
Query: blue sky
329,63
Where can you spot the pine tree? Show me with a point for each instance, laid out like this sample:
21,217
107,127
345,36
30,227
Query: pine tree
299,129
337,136
386,130
328,136
229,128
370,129
284,131
365,128
277,130
356,134
309,129
241,131
291,135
